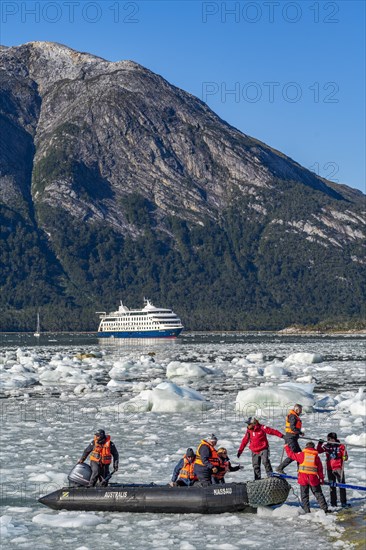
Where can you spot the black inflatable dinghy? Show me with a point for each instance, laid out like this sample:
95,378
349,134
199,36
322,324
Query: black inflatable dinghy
212,499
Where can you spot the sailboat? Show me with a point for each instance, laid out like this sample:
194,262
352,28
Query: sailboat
37,334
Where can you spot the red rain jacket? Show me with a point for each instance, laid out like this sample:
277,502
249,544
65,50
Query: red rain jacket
335,455
307,479
257,438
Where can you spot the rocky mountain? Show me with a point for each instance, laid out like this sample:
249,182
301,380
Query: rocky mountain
114,183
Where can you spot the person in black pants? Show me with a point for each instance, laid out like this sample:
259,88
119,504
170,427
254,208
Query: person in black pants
293,431
101,450
207,460
336,455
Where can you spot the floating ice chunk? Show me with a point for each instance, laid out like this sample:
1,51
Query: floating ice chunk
356,404
8,529
303,358
357,440
283,395
187,370
284,511
275,371
326,402
255,371
169,397
358,408
117,384
255,357
301,388
13,379
306,379
120,368
69,519
240,362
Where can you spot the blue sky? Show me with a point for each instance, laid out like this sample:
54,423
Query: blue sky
291,74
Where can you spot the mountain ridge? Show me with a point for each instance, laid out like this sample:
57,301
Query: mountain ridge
133,166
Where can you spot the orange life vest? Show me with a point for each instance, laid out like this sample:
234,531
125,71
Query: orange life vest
102,453
213,458
223,469
308,466
187,471
297,425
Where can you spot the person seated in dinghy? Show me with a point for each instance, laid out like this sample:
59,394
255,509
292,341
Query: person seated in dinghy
224,467
101,451
183,474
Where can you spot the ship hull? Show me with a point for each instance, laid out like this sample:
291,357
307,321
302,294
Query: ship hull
173,333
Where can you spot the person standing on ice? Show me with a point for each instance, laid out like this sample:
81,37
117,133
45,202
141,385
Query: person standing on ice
293,431
336,455
183,473
310,475
207,460
224,467
256,436
101,451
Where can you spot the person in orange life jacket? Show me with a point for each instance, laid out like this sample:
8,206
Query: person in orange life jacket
224,466
310,475
258,444
101,451
336,455
293,431
183,473
207,460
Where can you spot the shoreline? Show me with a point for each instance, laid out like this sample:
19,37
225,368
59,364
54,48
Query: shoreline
290,331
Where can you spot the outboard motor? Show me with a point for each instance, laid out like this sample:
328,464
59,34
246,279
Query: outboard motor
80,475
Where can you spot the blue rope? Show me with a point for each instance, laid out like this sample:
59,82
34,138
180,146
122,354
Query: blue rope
330,483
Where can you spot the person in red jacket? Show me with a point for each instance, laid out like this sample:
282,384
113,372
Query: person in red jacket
336,455
310,475
256,436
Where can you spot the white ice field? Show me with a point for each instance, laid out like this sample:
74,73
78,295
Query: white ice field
156,400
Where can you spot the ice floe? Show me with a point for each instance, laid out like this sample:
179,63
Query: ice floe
186,370
357,440
303,358
9,528
276,396
356,404
169,397
69,519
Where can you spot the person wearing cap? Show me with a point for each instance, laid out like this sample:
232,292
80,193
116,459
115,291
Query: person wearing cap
183,473
256,436
101,451
336,455
310,475
224,466
293,431
207,460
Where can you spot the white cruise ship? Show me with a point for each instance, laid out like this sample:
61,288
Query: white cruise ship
149,322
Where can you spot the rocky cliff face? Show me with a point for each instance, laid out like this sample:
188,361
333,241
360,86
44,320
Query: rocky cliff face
93,148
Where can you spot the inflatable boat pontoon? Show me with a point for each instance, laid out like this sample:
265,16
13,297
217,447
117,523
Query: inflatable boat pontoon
212,499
